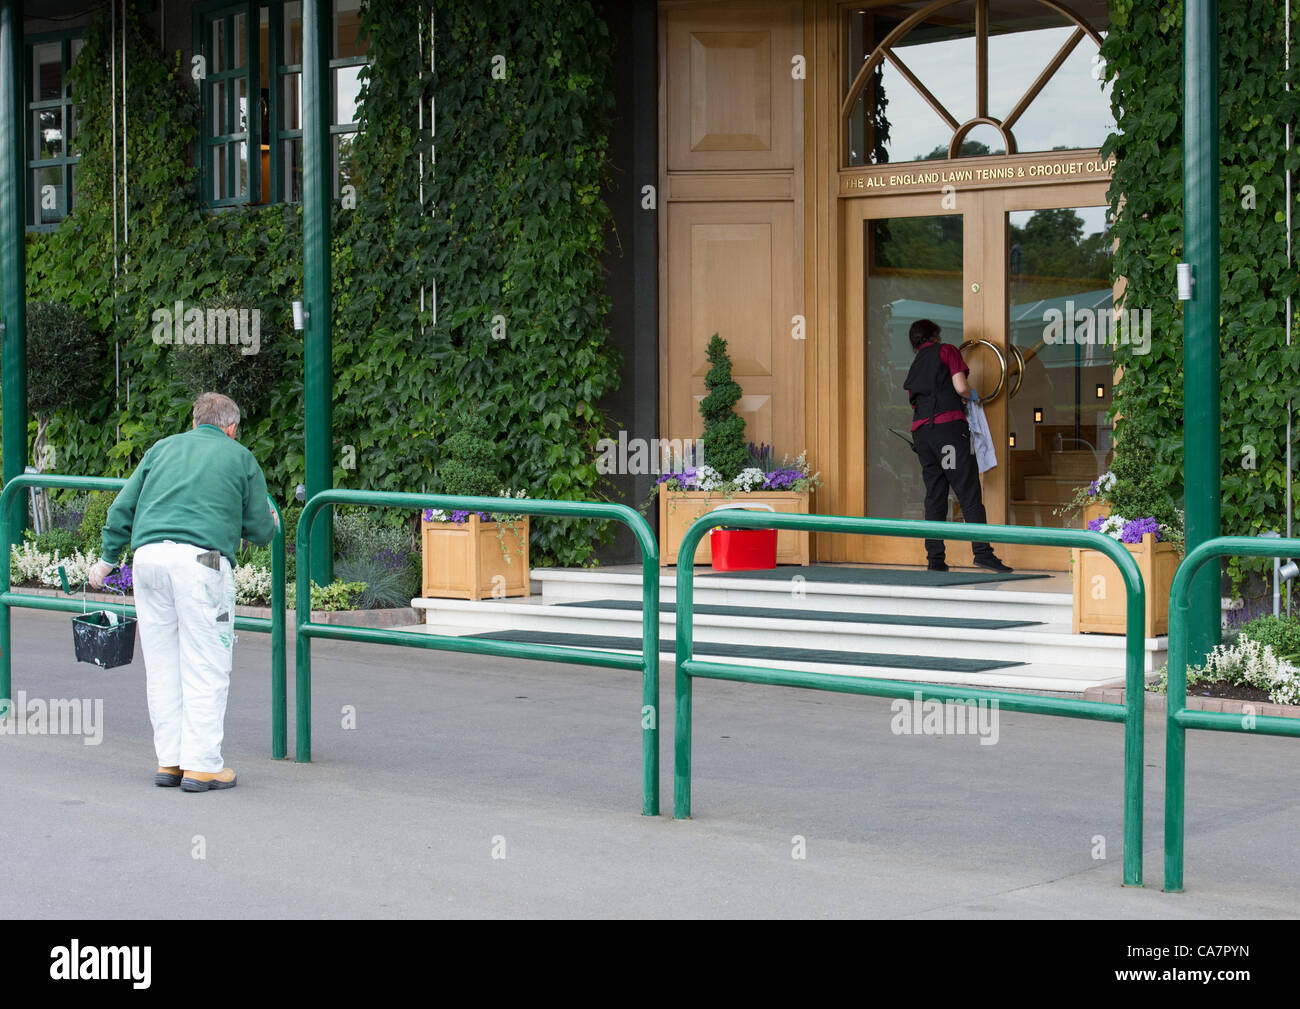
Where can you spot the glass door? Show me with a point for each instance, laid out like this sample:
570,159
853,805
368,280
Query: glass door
912,264
1060,302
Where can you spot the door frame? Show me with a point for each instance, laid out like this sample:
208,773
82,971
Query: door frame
985,315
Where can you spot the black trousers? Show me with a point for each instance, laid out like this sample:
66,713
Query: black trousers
948,463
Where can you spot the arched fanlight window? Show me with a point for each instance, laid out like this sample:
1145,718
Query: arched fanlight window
960,78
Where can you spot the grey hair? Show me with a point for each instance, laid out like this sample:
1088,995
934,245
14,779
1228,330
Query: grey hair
216,409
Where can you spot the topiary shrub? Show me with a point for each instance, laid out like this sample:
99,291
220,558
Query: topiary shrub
470,458
92,523
725,448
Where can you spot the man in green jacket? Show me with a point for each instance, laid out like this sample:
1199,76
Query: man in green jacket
184,510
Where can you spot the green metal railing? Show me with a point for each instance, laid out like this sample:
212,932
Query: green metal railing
275,625
1130,712
1178,719
647,662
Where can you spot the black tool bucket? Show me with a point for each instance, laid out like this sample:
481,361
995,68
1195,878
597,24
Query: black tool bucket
106,645
107,642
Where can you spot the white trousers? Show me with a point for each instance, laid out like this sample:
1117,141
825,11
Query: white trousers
186,612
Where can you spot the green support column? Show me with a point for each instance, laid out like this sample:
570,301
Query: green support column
1202,464
13,258
317,198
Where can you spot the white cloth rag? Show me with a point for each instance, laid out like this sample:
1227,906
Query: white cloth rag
981,438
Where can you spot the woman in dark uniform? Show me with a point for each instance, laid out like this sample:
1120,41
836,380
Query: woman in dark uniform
937,389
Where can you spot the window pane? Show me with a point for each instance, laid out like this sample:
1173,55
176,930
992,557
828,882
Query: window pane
217,52
343,162
914,272
292,169
893,122
347,89
241,103
49,195
47,133
241,41
47,71
347,26
293,33
220,122
219,172
293,99
241,155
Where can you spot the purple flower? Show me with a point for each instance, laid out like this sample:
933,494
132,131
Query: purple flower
1092,489
120,580
1095,524
1135,529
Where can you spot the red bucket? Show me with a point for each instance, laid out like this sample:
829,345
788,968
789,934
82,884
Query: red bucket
743,549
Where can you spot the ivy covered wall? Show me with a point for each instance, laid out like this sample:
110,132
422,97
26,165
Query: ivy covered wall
1259,373
512,228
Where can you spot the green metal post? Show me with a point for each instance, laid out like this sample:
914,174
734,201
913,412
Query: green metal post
317,198
1202,463
1177,718
649,676
302,643
647,663
279,705
1130,712
13,265
1175,744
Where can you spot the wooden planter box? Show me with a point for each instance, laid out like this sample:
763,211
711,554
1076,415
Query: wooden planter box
679,508
461,561
1095,575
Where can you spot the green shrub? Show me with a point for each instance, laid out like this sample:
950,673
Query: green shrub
470,458
338,595
1279,633
725,448
92,523
63,542
361,533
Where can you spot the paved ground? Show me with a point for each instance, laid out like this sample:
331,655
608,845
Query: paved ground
451,754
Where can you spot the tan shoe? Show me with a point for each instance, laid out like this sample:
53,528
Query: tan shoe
167,777
201,781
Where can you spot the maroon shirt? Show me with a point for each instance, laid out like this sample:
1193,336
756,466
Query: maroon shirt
951,357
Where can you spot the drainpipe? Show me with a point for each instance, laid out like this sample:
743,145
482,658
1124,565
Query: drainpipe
317,197
13,259
1202,455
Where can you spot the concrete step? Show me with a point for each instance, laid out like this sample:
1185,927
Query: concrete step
987,600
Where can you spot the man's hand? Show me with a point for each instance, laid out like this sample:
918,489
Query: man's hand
275,517
98,573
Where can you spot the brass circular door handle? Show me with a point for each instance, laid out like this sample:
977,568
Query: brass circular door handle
1020,370
1002,379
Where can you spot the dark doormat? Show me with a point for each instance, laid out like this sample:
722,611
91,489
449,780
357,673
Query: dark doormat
919,577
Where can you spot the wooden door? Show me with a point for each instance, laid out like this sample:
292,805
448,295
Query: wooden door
731,239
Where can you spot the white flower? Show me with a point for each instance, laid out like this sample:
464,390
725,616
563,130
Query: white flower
708,478
1285,688
1113,526
28,563
252,583
1105,482
750,479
